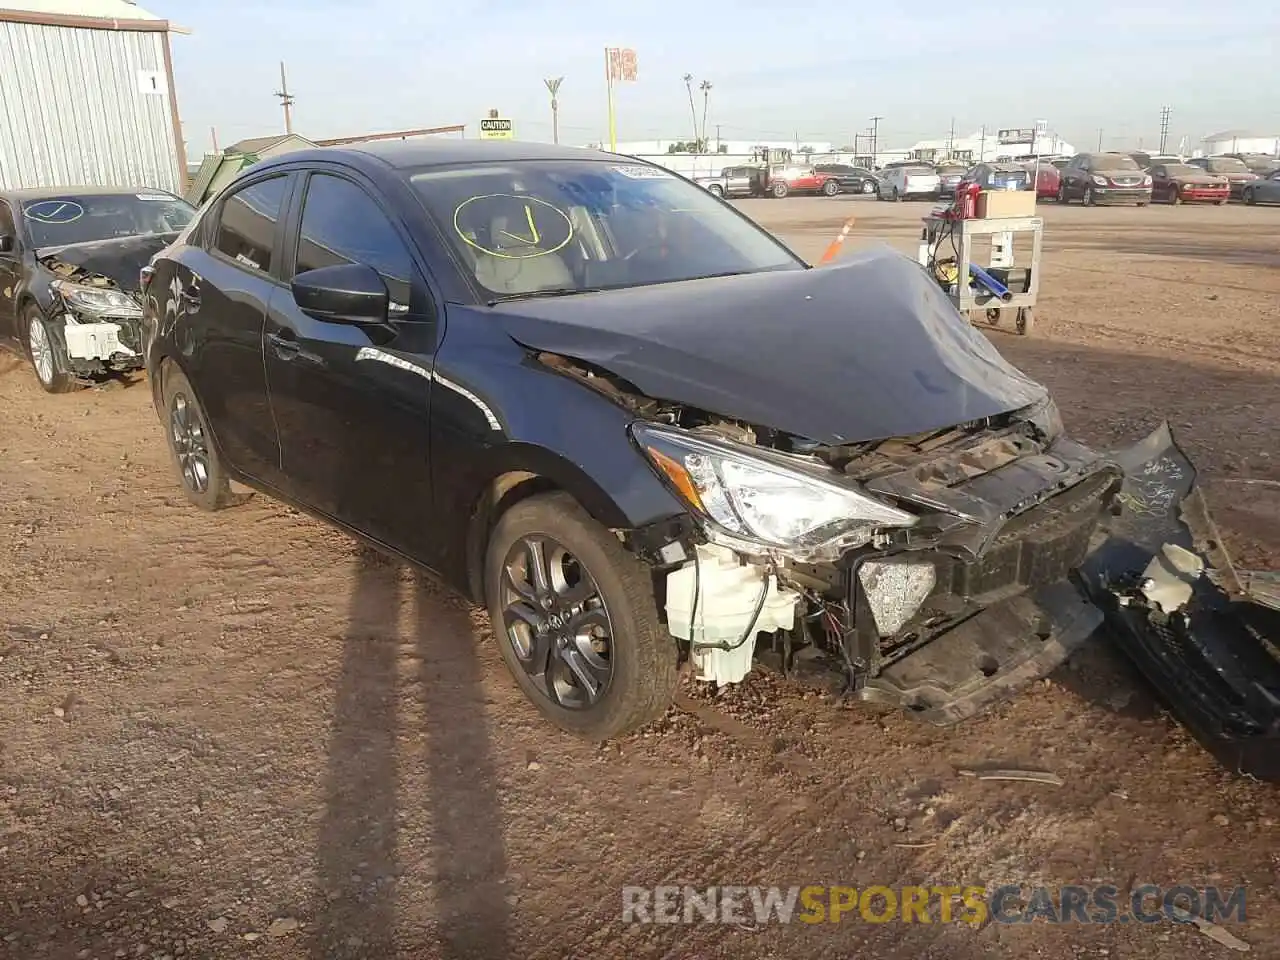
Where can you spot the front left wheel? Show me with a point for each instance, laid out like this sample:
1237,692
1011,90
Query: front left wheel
576,620
830,188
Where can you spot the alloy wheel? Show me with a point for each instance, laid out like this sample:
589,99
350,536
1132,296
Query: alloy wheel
41,351
556,622
190,444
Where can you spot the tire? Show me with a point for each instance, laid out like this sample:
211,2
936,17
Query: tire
778,190
1086,198
1246,195
642,657
1062,193
716,190
1175,197
897,197
186,452
1025,321
830,188
869,187
48,359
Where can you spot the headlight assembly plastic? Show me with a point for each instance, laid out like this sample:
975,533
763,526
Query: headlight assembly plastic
754,501
96,301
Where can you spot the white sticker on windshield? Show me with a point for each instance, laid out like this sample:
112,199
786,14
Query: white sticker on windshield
644,173
153,196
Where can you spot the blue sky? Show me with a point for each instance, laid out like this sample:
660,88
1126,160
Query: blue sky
818,70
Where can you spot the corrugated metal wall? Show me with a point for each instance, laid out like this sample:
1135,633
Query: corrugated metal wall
73,108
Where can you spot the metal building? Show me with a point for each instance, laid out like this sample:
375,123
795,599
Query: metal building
87,96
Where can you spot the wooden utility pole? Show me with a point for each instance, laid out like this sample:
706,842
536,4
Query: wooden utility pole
553,87
286,100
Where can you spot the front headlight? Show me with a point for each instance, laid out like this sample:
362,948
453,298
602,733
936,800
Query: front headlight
1100,181
96,301
749,499
1146,181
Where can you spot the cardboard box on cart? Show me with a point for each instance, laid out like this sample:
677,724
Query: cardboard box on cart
1006,203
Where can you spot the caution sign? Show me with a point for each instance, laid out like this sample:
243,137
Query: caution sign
495,128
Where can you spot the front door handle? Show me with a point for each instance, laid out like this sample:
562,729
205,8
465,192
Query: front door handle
285,346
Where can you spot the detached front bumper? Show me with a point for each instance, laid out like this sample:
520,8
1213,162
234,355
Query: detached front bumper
1214,657
1203,634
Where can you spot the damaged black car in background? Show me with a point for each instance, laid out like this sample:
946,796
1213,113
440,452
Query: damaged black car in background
642,432
69,276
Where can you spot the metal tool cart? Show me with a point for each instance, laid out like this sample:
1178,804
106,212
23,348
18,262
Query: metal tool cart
996,290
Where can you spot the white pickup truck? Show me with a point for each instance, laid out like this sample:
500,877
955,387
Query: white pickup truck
909,182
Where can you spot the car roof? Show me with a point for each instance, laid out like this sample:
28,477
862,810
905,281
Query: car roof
49,193
409,154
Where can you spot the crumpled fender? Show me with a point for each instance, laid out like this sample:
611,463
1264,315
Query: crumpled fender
1204,634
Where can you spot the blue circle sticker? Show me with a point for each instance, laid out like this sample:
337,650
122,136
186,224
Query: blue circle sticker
54,211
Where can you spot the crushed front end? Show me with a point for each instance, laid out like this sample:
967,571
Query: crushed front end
952,585
100,323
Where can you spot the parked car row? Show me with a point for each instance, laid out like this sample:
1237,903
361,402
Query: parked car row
759,180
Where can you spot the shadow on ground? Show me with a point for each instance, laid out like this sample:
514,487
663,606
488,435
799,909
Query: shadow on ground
357,860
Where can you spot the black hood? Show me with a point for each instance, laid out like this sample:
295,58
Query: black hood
119,260
864,350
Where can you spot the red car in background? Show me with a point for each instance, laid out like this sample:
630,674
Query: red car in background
1183,183
1046,184
785,180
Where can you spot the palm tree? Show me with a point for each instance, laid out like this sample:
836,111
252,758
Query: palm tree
693,111
705,87
553,87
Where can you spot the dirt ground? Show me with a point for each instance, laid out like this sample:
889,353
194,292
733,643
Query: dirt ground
242,736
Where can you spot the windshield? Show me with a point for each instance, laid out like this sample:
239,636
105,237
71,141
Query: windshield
951,171
1182,170
1227,165
83,218
570,226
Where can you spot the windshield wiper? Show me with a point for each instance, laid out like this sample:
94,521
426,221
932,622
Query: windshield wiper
541,294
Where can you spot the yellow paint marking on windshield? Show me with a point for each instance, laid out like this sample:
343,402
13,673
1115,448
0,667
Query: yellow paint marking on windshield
533,229
530,242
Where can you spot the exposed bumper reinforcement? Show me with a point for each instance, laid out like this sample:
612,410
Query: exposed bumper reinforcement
987,657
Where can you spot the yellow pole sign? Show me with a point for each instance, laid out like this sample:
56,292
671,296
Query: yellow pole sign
496,128
619,67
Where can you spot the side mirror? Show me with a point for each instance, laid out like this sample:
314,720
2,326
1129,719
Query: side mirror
346,293
6,244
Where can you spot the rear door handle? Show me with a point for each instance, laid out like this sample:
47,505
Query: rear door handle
285,346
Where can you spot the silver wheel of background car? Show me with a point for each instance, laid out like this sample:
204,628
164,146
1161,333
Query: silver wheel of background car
41,351
868,187
48,359
190,445
1247,196
1087,198
1062,192
830,188
556,622
716,189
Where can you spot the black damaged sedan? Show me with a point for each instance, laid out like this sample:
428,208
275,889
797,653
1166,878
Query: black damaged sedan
70,262
640,430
